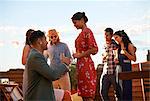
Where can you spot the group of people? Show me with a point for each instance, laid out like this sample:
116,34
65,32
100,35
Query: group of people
36,40
119,52
48,80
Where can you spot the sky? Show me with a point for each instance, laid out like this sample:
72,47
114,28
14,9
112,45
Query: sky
16,17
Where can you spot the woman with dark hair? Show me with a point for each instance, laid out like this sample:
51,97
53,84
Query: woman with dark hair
126,54
25,54
85,45
27,47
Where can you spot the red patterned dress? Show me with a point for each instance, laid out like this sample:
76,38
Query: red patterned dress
85,65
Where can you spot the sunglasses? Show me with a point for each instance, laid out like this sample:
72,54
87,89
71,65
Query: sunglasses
53,37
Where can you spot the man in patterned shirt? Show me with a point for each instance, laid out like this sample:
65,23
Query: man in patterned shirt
108,76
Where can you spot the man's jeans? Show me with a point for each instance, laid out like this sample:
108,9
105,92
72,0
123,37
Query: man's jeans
105,82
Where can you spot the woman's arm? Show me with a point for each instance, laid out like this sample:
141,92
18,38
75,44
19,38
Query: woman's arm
131,54
86,53
25,54
116,56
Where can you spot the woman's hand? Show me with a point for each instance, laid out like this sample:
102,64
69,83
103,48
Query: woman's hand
77,55
123,51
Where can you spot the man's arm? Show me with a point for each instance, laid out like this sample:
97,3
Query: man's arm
52,72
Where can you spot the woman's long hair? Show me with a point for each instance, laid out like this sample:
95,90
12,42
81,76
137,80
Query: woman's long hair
126,40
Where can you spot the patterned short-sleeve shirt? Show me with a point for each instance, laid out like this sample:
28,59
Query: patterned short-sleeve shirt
109,64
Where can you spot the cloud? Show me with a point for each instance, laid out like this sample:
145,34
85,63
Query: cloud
146,17
9,29
138,28
15,44
68,31
142,43
17,30
132,28
2,43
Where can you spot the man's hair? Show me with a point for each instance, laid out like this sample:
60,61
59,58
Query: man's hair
35,35
110,30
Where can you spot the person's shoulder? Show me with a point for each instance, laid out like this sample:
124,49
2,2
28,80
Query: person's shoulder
87,30
87,33
113,42
131,46
27,47
35,53
63,44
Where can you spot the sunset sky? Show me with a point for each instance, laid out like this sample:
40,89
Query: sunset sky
16,17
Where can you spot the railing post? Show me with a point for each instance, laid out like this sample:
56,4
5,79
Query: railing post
142,82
